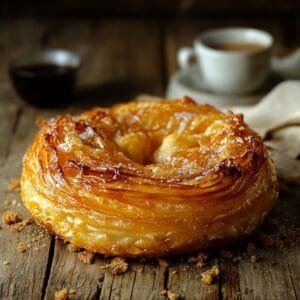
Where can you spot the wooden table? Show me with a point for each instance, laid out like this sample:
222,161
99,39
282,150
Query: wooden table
120,59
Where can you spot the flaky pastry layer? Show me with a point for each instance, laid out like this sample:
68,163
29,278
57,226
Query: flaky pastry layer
148,178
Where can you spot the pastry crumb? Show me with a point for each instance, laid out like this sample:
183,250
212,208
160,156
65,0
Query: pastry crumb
5,263
163,263
72,248
253,259
21,247
86,256
173,296
210,275
200,259
170,295
10,217
61,295
19,226
117,266
14,185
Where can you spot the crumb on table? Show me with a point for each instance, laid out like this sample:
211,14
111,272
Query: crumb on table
14,185
210,275
19,226
253,259
21,247
172,295
200,259
10,217
117,266
86,256
163,263
61,295
72,248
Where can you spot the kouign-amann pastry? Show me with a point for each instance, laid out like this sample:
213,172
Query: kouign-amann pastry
148,178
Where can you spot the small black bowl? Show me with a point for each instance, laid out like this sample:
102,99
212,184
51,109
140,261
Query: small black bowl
46,78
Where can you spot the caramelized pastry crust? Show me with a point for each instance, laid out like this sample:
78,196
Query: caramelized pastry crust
148,178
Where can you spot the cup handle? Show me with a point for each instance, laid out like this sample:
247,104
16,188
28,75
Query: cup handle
185,56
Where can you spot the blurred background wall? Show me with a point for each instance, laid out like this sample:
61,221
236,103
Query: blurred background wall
134,43
154,8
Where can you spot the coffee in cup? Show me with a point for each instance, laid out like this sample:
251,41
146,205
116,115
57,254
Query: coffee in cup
230,60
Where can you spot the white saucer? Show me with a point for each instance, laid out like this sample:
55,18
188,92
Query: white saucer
189,83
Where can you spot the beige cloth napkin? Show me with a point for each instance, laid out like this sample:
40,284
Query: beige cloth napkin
277,119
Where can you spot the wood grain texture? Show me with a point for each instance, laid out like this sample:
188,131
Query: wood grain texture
269,278
229,281
69,272
33,262
141,281
275,275
185,280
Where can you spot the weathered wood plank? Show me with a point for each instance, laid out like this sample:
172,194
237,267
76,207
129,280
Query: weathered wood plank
141,281
269,278
229,280
185,280
33,262
119,287
292,254
275,274
69,272
149,282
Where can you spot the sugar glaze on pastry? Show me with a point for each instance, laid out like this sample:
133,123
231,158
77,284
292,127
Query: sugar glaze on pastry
148,178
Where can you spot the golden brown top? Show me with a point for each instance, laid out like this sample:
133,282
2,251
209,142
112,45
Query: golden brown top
173,143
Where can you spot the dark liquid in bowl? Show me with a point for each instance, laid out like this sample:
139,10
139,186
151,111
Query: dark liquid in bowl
238,47
44,84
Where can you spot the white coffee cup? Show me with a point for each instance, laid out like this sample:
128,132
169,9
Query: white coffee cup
233,71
